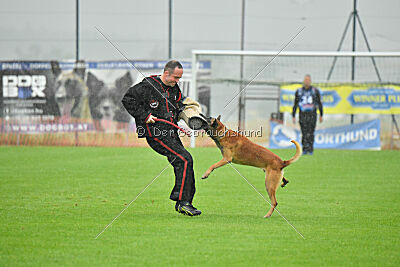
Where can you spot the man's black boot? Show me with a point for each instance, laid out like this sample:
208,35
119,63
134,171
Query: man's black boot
186,208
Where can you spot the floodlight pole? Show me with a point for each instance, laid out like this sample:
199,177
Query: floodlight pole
242,108
77,30
353,58
170,30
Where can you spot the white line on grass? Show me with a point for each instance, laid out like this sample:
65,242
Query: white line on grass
255,189
133,200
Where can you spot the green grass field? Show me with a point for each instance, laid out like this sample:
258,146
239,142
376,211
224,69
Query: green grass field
55,200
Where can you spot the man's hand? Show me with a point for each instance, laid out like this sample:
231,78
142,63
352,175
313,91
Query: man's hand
151,119
320,119
294,120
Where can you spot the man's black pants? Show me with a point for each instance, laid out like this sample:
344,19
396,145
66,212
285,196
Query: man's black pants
181,160
308,122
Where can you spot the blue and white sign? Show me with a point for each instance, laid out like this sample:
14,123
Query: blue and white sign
330,98
375,98
364,135
69,65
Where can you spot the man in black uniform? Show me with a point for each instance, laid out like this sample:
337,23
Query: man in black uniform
308,99
160,97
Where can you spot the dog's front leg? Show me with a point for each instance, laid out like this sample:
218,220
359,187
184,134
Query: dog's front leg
220,163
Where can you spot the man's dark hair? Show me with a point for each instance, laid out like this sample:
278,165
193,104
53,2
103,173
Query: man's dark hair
171,65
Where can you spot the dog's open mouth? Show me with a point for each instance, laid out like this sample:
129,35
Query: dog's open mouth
65,106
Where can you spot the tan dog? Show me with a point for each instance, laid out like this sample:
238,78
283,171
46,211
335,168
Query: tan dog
239,149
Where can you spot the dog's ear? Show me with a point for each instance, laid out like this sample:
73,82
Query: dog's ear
55,68
80,69
219,118
96,88
93,83
214,124
123,83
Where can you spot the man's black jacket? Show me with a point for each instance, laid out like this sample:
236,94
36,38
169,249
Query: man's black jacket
316,101
152,97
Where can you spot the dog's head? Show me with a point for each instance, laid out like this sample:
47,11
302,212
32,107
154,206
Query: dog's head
213,123
215,128
107,107
105,99
69,90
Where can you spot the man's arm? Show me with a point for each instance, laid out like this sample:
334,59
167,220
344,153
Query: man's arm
319,104
295,105
179,102
133,101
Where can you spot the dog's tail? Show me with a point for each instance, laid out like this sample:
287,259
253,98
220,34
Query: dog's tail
295,157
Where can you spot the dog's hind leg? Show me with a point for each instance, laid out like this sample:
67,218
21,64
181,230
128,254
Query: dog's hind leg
284,182
272,180
220,163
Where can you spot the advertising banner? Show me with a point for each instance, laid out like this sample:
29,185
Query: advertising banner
349,99
53,96
357,136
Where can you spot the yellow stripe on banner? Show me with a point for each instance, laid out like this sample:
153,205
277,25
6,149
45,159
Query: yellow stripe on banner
349,98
